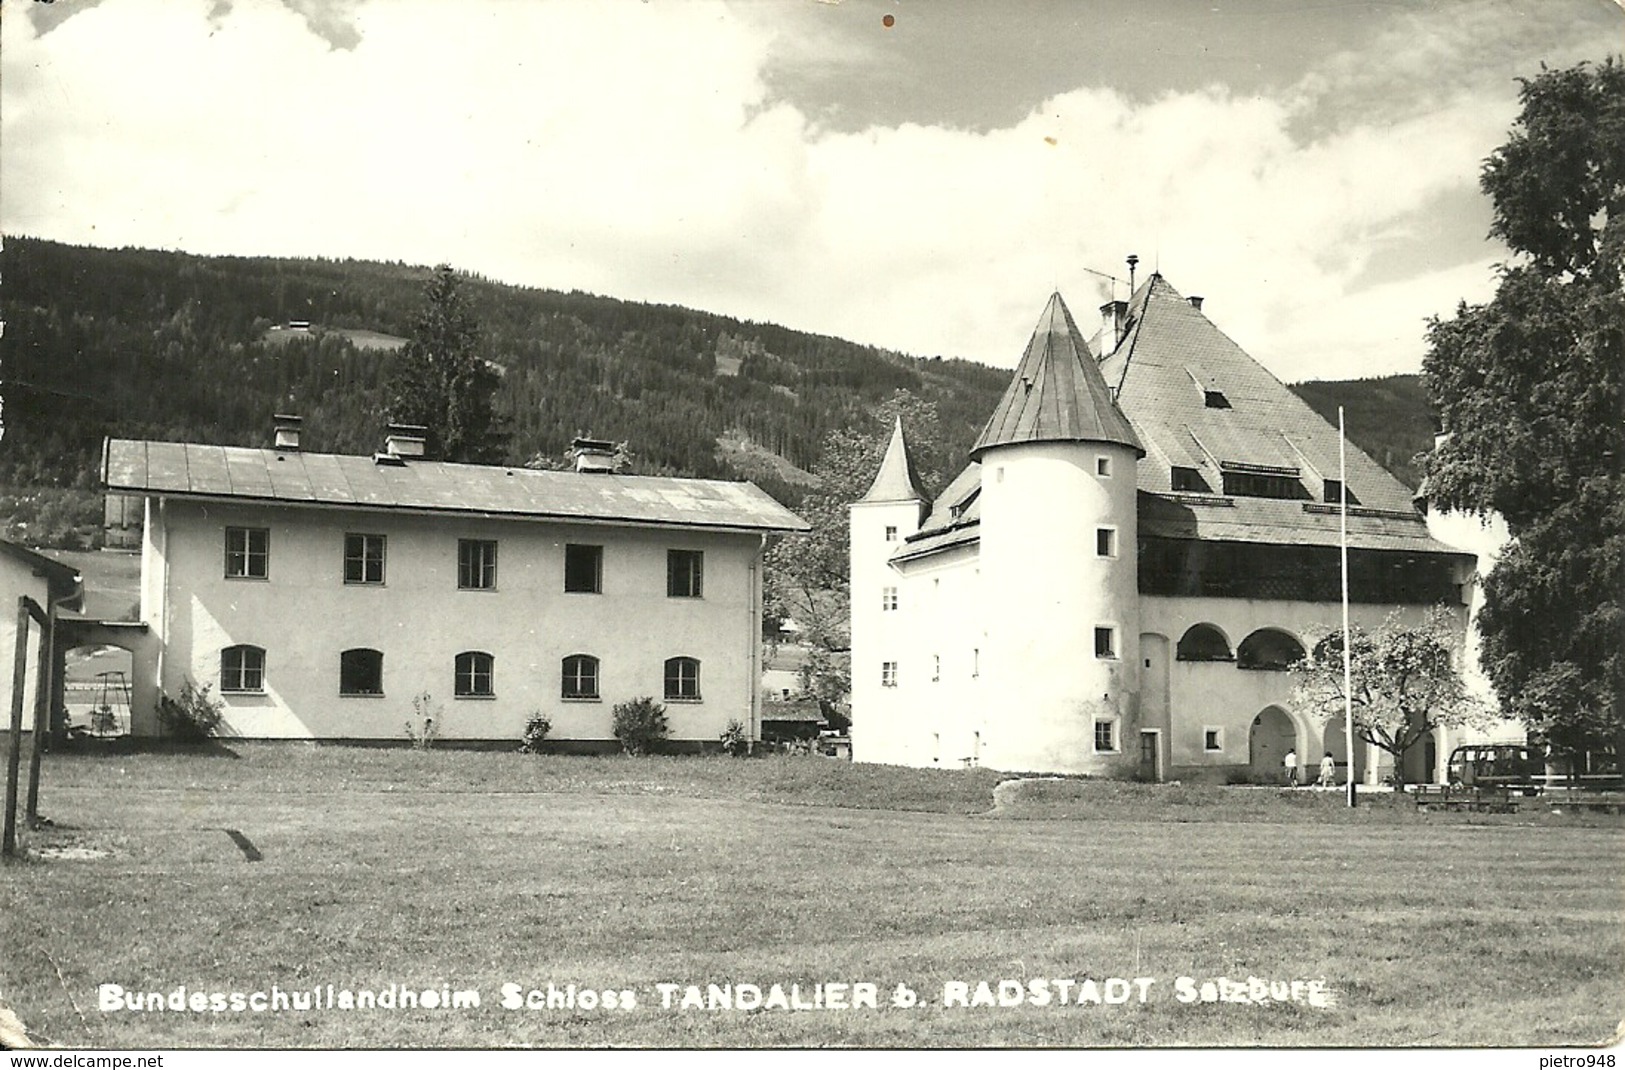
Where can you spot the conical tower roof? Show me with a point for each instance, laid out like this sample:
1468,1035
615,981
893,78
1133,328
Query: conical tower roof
896,481
1057,394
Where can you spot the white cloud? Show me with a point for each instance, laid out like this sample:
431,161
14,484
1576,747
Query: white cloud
632,150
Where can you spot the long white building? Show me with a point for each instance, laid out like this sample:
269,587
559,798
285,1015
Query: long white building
319,593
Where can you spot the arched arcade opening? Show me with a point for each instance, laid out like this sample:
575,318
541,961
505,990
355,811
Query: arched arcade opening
1272,734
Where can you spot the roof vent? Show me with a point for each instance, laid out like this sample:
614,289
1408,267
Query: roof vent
287,432
1196,303
405,440
594,455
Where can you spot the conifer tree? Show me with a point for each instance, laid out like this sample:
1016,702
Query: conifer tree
443,381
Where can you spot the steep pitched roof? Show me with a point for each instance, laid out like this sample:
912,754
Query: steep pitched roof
896,481
1057,393
189,469
1199,401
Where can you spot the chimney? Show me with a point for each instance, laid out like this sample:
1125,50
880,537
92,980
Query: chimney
1113,319
594,455
1196,303
404,440
287,432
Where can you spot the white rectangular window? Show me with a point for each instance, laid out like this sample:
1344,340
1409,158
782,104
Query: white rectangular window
1213,739
1103,466
685,573
888,598
583,569
1106,542
364,559
248,553
891,532
476,564
1105,642
1105,736
888,674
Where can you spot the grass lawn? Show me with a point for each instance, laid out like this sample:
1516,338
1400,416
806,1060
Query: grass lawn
476,870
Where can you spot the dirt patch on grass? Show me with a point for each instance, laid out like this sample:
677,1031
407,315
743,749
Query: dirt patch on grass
68,852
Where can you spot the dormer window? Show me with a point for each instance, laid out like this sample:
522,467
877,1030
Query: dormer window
1212,394
1189,480
958,509
1334,493
1261,485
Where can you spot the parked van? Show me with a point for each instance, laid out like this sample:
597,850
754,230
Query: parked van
1498,765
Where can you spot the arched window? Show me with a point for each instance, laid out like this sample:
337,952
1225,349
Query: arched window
242,668
474,677
361,672
1203,642
683,679
580,676
1269,649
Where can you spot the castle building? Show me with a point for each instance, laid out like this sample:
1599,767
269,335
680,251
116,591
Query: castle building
318,594
1145,538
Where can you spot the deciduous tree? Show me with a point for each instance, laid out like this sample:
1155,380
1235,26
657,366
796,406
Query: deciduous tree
1529,388
1405,683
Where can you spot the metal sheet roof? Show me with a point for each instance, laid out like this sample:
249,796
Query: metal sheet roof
1057,394
896,481
267,475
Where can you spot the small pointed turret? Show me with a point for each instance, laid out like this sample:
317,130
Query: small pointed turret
896,481
1057,394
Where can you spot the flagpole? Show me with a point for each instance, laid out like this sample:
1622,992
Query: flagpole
1343,546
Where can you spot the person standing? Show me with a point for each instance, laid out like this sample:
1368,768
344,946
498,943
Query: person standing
1328,771
1290,765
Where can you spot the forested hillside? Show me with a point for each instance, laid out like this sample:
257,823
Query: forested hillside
1388,418
144,343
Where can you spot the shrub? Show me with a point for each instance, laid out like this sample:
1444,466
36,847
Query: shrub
640,725
536,730
735,740
194,716
423,727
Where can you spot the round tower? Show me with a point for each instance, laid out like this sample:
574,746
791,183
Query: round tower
1058,561
879,522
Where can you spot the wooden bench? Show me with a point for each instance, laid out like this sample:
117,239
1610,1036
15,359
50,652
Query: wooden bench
1611,802
1480,800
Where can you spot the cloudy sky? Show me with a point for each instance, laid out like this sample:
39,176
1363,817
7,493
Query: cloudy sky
1308,167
